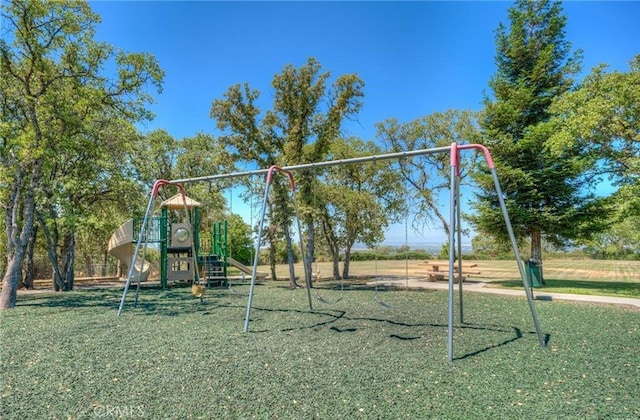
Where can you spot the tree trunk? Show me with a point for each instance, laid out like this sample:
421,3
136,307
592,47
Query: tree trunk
271,231
63,274
440,216
334,247
9,293
89,266
121,270
17,244
309,255
536,246
346,263
290,258
29,265
68,257
105,268
308,219
55,282
335,257
16,249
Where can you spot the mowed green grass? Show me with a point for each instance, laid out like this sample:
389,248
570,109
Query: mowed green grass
67,356
590,277
598,270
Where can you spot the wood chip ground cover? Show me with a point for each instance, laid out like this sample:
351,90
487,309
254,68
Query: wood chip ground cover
68,356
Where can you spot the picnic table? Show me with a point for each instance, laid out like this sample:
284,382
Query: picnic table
440,271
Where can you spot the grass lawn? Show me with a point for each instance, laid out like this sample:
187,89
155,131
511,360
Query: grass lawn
598,288
589,277
67,356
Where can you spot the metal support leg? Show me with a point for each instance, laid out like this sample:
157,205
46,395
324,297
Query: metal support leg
452,241
459,230
256,257
514,244
307,275
136,253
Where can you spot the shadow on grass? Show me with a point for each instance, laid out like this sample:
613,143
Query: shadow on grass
342,315
333,317
332,286
586,287
177,301
152,299
359,286
98,298
518,335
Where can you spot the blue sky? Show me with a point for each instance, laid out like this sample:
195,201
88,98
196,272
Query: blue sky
414,57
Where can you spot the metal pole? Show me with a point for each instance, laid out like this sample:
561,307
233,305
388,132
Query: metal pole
514,244
315,165
137,249
459,226
512,237
453,150
256,257
452,241
254,271
146,228
307,275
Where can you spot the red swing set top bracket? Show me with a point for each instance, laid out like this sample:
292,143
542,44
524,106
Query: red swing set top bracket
276,168
455,155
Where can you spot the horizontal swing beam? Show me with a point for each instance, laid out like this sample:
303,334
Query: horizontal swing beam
328,163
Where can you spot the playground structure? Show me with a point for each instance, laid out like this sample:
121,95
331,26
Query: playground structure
455,233
186,253
121,246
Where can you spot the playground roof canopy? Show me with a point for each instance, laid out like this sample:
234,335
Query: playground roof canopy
177,202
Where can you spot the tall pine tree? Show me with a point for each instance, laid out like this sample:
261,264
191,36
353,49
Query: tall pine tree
548,196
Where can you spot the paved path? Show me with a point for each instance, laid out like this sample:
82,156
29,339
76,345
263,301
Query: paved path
481,287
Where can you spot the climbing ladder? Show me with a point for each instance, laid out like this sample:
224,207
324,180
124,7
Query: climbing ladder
212,256
213,271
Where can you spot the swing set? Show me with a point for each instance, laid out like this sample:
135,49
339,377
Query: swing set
455,232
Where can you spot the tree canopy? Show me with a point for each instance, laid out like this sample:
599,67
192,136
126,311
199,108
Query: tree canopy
427,175
61,119
304,120
600,121
546,195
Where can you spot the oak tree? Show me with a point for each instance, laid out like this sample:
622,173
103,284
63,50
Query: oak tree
61,116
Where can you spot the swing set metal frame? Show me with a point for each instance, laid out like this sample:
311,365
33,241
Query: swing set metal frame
455,232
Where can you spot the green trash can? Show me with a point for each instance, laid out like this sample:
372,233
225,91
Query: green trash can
533,269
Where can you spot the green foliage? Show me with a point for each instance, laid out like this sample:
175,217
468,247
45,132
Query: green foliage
358,201
486,247
153,157
600,121
391,253
240,245
426,176
621,240
547,196
63,118
281,254
303,122
305,112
